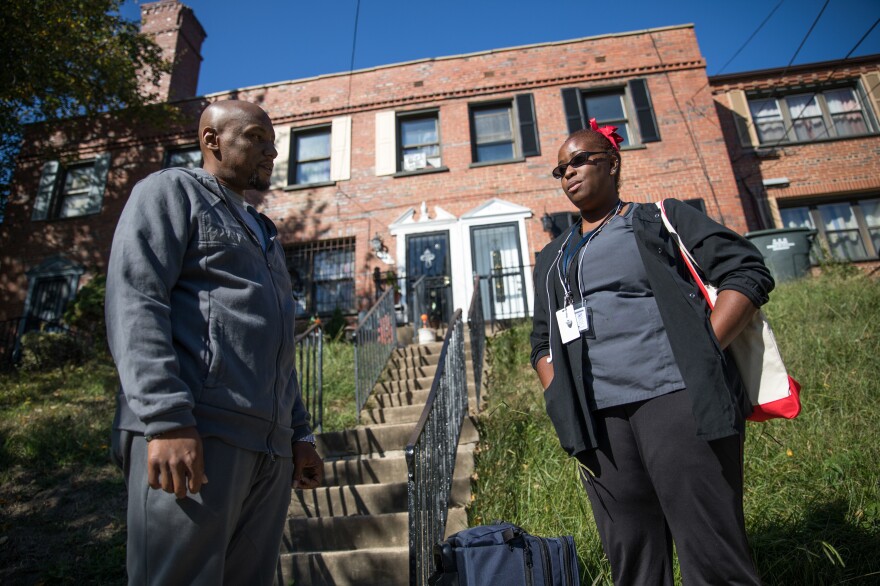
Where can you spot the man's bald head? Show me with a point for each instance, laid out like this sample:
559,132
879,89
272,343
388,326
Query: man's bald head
237,143
219,114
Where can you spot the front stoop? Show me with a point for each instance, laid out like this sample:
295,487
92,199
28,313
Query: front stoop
354,530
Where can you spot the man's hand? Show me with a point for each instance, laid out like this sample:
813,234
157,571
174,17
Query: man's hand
308,468
175,462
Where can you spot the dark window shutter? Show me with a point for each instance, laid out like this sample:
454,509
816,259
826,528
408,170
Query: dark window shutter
291,159
473,134
46,190
528,125
571,101
99,182
648,129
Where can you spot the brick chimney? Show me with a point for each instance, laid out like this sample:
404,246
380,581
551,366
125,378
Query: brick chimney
178,32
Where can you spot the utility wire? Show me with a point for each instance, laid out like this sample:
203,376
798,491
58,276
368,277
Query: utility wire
749,40
357,13
738,51
783,138
806,36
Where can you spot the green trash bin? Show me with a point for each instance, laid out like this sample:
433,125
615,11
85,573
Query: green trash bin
786,251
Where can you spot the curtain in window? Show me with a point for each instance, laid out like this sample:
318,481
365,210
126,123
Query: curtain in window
494,135
806,117
768,120
841,230
796,218
313,158
76,192
419,139
871,211
846,112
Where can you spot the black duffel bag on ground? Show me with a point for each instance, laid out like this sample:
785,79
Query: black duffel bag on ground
504,554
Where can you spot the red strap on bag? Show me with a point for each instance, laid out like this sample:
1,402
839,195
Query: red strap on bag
754,350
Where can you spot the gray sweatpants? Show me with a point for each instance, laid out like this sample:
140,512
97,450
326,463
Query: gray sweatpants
229,533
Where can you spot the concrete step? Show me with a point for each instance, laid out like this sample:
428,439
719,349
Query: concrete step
390,467
369,566
365,499
398,362
405,413
393,398
368,440
310,534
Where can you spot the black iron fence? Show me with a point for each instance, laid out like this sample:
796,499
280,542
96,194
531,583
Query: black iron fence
310,372
477,330
430,453
375,339
11,331
504,295
8,341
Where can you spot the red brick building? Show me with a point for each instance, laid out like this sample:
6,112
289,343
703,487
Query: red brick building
442,166
804,146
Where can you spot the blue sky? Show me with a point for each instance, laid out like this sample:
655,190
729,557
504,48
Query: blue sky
264,41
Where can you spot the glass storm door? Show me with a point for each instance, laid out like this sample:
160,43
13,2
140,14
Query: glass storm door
428,255
497,260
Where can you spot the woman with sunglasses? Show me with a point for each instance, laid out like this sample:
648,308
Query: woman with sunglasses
637,382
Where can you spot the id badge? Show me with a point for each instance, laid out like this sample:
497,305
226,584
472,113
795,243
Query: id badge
584,319
568,327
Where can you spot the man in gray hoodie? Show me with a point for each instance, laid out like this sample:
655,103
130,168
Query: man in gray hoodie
210,428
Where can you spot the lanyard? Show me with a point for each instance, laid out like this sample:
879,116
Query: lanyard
570,253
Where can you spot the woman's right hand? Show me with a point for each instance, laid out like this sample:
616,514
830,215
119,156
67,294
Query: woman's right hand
545,371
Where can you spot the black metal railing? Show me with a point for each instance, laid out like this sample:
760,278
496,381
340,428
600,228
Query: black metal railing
9,341
477,330
375,338
504,295
430,453
418,305
11,331
310,372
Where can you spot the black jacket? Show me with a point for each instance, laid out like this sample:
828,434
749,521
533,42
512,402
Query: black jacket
728,260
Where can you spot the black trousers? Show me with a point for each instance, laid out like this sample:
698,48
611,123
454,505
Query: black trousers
652,482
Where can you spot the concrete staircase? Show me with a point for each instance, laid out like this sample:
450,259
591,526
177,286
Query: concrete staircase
354,530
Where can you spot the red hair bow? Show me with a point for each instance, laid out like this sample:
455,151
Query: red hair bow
609,132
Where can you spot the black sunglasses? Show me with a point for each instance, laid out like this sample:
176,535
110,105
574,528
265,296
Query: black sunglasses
579,160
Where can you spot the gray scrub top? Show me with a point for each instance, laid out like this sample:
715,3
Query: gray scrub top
628,356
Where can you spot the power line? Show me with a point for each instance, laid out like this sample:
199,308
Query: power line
787,129
749,40
806,36
738,51
357,13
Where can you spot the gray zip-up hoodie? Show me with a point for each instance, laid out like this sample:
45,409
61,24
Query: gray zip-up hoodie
200,319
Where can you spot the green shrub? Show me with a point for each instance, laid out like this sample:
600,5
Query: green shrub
42,351
335,326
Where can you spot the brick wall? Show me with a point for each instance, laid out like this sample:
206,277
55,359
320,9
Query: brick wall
690,160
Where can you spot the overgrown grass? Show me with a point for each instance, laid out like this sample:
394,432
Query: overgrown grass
339,400
812,498
812,485
62,504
